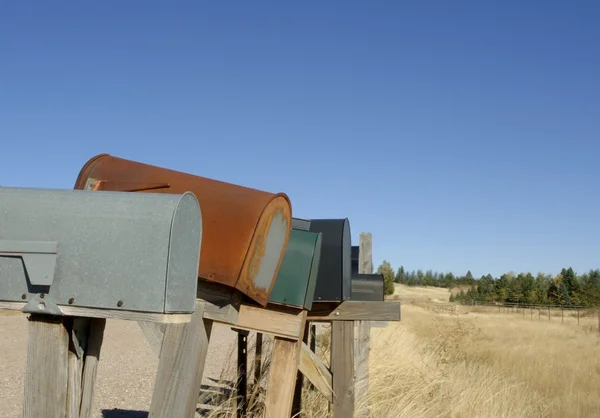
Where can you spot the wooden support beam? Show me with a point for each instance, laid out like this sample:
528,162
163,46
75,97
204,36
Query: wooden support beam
342,368
275,320
319,375
363,333
352,310
95,337
46,370
297,403
76,311
180,367
282,376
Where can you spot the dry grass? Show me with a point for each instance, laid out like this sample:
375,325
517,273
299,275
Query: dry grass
444,360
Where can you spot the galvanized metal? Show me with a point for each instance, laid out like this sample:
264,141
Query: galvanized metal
245,230
367,287
297,277
122,251
334,279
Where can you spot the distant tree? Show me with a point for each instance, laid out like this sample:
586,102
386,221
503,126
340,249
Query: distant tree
388,277
400,275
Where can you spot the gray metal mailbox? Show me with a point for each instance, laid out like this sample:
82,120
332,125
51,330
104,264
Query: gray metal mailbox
334,280
90,249
367,287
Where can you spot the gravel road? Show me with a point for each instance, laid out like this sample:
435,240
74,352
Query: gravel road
125,374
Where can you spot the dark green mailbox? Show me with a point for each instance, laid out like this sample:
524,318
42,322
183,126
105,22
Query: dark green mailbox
334,280
297,277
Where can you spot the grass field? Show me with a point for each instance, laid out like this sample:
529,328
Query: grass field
444,360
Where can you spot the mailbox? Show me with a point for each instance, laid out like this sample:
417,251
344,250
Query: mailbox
367,287
297,277
245,230
118,251
334,279
354,258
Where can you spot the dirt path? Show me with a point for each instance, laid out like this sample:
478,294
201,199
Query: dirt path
125,375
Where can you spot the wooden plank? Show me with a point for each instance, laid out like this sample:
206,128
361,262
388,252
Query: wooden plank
222,302
363,333
342,368
79,333
282,376
109,313
180,367
275,320
297,402
90,367
46,369
154,334
352,310
319,375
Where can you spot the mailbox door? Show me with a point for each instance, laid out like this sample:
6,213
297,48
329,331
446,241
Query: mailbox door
334,280
245,231
295,283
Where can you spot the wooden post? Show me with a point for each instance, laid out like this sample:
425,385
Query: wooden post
257,358
95,336
242,371
548,313
562,314
284,369
180,367
342,362
297,403
363,332
577,316
47,368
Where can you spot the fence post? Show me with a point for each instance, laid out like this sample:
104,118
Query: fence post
577,316
548,313
562,314
363,337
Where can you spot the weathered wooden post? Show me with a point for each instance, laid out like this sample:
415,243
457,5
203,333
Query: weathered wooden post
363,340
73,258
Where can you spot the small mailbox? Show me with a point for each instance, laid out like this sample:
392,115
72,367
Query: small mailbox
245,230
354,257
297,277
334,279
103,250
367,287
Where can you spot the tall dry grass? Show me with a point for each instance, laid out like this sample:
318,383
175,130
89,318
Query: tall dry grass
443,360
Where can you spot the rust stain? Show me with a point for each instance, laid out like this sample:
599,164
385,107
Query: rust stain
236,219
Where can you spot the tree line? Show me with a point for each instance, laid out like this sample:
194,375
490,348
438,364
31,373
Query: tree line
564,288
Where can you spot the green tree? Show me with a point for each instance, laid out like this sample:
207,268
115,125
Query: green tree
400,275
388,277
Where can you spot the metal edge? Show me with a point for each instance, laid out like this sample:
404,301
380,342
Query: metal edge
314,271
87,169
181,197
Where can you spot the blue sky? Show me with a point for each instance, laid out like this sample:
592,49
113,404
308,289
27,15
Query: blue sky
462,134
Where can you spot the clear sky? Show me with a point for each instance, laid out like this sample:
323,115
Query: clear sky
462,134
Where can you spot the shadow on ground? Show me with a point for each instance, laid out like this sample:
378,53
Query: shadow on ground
210,396
123,413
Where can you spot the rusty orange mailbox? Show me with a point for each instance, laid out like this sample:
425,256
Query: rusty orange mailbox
245,231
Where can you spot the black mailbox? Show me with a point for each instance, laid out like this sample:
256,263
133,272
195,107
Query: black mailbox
367,287
354,259
334,279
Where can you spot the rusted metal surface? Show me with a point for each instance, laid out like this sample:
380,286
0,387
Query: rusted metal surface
245,231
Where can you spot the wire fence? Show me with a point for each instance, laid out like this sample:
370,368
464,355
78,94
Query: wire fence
569,314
